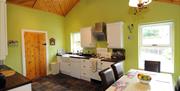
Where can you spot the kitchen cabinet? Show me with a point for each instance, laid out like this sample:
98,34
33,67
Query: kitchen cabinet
82,68
87,38
70,66
86,69
75,67
115,35
105,65
101,65
65,65
3,30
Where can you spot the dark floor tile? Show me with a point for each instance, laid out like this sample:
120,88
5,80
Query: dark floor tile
62,82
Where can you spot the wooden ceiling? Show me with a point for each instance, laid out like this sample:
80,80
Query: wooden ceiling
60,7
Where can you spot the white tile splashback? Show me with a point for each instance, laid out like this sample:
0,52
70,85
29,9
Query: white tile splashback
103,52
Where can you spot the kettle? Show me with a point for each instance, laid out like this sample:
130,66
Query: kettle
2,81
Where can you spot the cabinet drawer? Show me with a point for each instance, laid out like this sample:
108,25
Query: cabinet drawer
86,78
85,67
85,63
86,73
66,59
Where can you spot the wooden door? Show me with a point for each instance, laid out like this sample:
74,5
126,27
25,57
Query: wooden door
42,54
35,54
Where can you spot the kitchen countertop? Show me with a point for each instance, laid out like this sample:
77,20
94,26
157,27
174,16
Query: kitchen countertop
75,56
14,81
111,60
88,57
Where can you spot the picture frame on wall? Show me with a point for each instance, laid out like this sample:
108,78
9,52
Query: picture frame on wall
52,41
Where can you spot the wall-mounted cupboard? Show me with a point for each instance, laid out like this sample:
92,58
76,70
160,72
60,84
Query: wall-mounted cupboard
114,32
87,38
115,35
3,30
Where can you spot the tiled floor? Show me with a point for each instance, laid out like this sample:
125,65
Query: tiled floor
61,82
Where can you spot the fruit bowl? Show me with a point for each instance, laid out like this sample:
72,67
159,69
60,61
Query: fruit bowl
143,78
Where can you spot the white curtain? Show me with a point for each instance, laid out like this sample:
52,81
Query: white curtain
3,30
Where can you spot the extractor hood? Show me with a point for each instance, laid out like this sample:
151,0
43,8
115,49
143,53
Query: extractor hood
99,31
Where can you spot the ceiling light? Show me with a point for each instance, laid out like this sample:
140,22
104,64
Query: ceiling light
138,3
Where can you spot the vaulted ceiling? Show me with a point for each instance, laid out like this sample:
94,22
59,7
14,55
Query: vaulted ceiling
60,7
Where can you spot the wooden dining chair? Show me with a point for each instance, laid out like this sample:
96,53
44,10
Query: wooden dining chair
177,87
118,70
107,78
152,66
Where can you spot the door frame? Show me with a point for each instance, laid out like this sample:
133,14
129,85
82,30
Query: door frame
23,49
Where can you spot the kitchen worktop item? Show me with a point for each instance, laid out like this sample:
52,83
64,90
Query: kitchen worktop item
13,81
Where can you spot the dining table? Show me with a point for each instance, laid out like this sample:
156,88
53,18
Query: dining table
130,82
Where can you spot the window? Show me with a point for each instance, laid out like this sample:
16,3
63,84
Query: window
75,42
156,44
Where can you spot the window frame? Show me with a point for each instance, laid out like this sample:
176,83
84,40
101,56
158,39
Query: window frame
171,45
72,40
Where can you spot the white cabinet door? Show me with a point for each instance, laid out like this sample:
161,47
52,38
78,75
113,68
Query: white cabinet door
86,70
3,30
87,39
65,66
75,67
115,35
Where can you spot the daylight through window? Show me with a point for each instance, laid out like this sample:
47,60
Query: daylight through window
156,44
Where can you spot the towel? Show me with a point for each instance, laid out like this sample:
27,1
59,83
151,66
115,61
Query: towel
94,65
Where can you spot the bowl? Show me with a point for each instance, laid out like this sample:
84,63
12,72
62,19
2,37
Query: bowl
143,81
143,78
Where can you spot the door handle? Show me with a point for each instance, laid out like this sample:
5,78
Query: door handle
44,44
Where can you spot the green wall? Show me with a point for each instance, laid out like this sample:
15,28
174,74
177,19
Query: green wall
84,14
19,18
88,12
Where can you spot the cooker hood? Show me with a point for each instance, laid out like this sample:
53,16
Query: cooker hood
99,31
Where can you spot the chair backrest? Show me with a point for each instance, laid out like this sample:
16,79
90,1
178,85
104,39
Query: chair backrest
177,87
152,66
118,70
107,78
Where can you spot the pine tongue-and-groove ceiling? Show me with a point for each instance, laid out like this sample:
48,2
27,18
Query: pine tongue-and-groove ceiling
60,7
